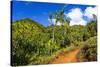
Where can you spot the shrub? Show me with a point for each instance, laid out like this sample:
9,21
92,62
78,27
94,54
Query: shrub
88,51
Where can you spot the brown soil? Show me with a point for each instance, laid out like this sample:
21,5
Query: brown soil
65,57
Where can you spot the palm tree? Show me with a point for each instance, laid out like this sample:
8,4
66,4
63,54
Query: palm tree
60,17
51,17
62,21
56,17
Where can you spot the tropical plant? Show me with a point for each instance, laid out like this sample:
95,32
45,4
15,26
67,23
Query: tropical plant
53,32
88,51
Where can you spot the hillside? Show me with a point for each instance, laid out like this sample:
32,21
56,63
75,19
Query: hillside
33,43
27,24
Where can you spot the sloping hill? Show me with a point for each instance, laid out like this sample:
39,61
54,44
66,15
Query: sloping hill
27,24
29,40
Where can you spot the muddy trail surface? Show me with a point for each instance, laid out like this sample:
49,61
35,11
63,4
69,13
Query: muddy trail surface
66,57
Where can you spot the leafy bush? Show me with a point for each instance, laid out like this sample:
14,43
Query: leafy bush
88,51
33,44
92,28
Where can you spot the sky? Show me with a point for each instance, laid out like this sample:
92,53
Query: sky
38,11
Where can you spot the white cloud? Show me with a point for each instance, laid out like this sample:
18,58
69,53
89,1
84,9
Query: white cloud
89,11
81,22
58,23
76,16
54,22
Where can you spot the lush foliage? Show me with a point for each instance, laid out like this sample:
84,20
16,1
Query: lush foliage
33,43
88,51
30,42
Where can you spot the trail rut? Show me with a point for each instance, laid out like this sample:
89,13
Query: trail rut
66,57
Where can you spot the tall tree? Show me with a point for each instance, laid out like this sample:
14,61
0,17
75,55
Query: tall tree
65,23
61,19
59,16
51,17
92,26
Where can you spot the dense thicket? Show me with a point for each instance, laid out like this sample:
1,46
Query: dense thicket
32,43
88,51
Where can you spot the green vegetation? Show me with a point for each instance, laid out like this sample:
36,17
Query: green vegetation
88,51
33,43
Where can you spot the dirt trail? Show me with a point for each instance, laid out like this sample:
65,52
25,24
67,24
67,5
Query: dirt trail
66,57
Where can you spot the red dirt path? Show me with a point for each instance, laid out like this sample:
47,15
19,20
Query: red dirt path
66,57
